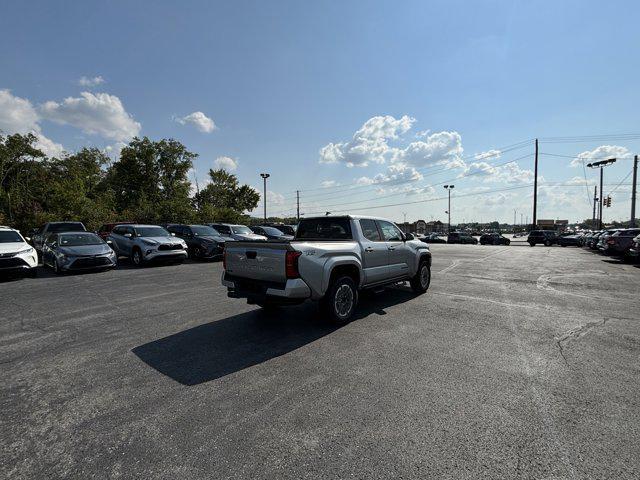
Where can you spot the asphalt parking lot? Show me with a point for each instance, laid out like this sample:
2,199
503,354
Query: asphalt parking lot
517,363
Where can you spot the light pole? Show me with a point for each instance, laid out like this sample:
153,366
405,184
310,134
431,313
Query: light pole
264,179
600,165
449,188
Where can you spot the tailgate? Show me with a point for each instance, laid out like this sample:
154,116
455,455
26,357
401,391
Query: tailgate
257,260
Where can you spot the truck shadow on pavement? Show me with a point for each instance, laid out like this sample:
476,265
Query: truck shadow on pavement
213,350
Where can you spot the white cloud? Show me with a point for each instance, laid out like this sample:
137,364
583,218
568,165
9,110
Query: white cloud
274,198
227,163
100,113
17,115
90,81
602,152
493,154
511,173
578,181
441,148
328,183
48,146
369,143
199,120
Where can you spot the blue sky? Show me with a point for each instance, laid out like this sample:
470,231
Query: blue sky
392,98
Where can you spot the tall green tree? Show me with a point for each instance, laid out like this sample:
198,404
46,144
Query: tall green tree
21,175
150,181
224,199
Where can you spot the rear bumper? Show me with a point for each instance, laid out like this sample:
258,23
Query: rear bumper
292,291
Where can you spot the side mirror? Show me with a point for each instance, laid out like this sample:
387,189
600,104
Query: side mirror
128,235
173,234
408,236
28,239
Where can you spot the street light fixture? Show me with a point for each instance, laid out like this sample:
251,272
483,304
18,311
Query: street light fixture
600,165
449,188
264,179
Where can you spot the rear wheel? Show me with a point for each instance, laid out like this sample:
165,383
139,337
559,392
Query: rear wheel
56,267
341,299
547,243
421,280
532,244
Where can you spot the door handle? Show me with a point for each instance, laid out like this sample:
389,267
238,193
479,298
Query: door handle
368,249
391,248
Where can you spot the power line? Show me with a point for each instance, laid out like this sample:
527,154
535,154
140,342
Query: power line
499,151
405,192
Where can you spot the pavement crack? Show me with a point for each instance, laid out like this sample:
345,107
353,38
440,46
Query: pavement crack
576,333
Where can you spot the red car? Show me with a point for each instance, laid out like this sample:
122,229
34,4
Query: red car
104,231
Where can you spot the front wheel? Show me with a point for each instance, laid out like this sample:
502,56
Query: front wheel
341,299
136,257
532,244
547,243
421,280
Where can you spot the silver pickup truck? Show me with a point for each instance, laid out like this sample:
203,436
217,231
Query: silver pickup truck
330,260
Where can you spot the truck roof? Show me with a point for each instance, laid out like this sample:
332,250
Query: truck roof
353,217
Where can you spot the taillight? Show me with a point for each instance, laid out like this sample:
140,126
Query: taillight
224,259
611,241
291,264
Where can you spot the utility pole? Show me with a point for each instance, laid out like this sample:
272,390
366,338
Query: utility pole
633,192
514,219
298,205
449,188
535,189
595,200
601,165
264,179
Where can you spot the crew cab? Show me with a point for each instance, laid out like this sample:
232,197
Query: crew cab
330,260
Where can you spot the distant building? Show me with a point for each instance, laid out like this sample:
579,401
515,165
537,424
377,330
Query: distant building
560,225
421,227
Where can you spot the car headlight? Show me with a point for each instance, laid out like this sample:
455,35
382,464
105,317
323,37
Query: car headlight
25,251
149,242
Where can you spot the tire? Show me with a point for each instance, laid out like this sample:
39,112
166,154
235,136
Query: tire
562,245
196,253
340,301
422,279
532,244
268,306
547,243
137,260
56,268
33,273
508,242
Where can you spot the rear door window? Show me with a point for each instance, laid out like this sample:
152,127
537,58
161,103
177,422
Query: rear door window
370,230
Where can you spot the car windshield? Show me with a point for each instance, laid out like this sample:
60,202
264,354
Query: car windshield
9,236
66,227
151,232
324,229
272,231
241,230
77,239
203,231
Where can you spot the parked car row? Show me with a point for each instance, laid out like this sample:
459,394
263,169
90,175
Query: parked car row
619,242
491,238
68,246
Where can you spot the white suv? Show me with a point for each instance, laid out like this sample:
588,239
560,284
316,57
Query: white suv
16,255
